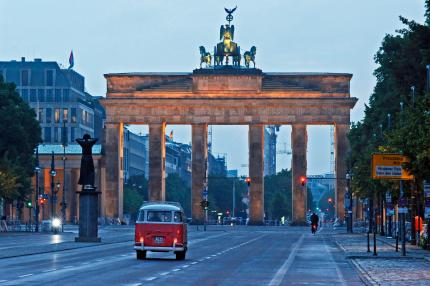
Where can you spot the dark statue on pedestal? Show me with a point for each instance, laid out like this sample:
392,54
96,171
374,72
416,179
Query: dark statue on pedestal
86,177
88,197
227,49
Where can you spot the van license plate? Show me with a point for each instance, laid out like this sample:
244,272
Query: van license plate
159,239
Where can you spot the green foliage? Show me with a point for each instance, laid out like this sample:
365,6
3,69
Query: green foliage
20,134
277,195
178,191
402,61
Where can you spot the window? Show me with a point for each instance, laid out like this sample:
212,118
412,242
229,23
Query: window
24,94
64,135
66,97
48,115
50,77
49,97
159,216
33,97
65,114
47,134
72,134
57,115
56,134
41,95
25,77
57,95
73,115
40,115
178,217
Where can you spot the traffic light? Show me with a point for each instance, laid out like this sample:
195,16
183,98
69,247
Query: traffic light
248,181
28,204
302,181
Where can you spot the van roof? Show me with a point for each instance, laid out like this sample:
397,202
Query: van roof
159,206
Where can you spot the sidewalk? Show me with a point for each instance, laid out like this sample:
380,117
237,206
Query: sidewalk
388,267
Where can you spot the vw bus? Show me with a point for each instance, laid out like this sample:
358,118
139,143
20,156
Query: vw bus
161,227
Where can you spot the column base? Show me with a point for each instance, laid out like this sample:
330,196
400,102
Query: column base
256,223
298,223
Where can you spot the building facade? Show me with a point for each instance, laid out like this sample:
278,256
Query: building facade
58,96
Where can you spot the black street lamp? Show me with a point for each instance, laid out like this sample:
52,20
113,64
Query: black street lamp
53,173
36,196
63,200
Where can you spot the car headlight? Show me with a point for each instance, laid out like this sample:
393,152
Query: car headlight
56,222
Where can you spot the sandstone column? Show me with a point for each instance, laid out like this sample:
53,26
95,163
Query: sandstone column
114,171
199,169
341,149
256,173
157,158
299,140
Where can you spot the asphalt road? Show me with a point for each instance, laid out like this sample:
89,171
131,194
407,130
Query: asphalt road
225,256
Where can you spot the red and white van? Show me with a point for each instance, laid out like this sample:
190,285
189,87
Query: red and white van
161,227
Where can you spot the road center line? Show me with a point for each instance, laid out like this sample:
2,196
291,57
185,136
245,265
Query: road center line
279,276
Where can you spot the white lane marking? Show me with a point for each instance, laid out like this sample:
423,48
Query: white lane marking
164,273
25,275
339,273
279,276
49,270
150,278
175,270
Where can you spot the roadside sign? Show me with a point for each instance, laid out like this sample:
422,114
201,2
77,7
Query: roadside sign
389,166
426,189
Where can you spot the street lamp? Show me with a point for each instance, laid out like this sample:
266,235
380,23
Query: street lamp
36,199
63,200
53,173
349,194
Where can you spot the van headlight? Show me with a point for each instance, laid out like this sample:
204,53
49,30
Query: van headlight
56,222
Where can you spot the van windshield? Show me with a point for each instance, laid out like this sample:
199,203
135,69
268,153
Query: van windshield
159,216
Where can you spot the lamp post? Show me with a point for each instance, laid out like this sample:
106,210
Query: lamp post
349,194
63,200
36,195
53,173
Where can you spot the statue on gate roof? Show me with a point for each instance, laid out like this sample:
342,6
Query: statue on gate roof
227,49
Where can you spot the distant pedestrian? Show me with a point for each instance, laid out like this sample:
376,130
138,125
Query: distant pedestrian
3,224
314,223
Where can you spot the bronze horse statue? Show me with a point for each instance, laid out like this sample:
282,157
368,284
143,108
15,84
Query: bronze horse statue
249,56
205,57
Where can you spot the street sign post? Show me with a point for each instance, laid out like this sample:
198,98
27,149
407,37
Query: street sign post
389,166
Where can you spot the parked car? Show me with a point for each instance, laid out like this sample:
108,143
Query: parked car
161,227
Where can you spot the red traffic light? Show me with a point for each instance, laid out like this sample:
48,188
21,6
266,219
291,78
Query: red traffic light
302,180
248,181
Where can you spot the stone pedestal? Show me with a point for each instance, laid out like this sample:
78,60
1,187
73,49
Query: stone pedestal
88,215
256,173
299,140
199,166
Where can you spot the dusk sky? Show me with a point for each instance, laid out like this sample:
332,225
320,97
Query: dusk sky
164,36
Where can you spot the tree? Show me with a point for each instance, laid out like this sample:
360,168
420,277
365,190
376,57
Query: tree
20,134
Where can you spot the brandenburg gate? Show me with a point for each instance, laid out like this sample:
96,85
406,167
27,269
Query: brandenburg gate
225,94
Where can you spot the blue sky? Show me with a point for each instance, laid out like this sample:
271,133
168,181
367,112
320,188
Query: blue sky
137,35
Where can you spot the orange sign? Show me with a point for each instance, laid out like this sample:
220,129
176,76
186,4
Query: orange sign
389,167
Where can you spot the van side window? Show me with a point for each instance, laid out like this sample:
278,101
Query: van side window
177,217
141,216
